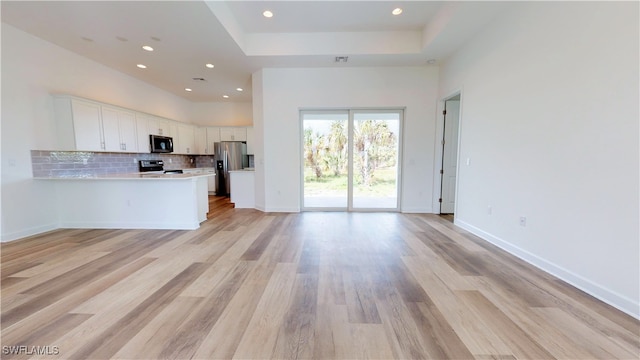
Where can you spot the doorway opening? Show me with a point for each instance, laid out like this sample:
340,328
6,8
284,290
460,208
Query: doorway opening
449,169
351,160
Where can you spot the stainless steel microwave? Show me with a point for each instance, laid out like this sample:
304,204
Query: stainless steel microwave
160,144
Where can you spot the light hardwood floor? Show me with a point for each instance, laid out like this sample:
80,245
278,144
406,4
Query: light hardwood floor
253,285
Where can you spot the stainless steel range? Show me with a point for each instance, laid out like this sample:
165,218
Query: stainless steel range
151,165
156,166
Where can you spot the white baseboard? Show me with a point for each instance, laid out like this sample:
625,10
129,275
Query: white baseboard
132,225
282,209
416,210
17,235
598,291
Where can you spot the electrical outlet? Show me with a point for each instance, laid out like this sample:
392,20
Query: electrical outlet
170,160
489,210
523,221
85,161
468,161
135,161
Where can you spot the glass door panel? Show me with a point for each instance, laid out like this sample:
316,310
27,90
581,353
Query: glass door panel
376,153
325,153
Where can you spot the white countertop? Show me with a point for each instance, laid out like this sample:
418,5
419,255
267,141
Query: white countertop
132,176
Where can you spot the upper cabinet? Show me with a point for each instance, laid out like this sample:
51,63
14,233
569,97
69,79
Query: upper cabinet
184,142
79,124
152,125
89,126
233,134
201,140
158,126
119,130
142,127
213,136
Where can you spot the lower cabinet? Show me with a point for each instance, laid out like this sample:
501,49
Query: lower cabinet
211,180
243,189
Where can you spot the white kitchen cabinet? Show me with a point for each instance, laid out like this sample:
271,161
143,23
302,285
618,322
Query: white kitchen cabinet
86,125
128,131
185,143
200,140
158,126
173,129
211,180
242,189
213,136
90,126
250,139
142,132
211,183
79,124
233,134
151,125
119,130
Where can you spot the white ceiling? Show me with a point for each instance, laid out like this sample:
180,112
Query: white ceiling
238,40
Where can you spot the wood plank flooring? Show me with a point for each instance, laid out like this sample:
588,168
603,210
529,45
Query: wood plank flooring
253,285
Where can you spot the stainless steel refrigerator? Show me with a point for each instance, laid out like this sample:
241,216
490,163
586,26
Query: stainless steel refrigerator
229,155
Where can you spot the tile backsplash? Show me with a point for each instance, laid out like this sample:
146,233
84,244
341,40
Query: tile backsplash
84,163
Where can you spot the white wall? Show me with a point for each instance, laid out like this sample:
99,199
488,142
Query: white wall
258,141
221,113
550,125
31,70
285,91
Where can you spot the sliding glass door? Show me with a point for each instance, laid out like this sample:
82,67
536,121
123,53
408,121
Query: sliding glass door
325,171
376,154
351,160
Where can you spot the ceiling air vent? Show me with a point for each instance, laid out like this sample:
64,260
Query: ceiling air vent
199,79
343,59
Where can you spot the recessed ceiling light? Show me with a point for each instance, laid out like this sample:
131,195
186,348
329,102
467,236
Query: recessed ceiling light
187,89
210,66
267,14
225,96
397,11
147,48
142,66
239,89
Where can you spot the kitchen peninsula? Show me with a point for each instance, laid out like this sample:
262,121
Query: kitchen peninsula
132,201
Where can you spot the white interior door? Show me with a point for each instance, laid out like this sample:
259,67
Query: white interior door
450,156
